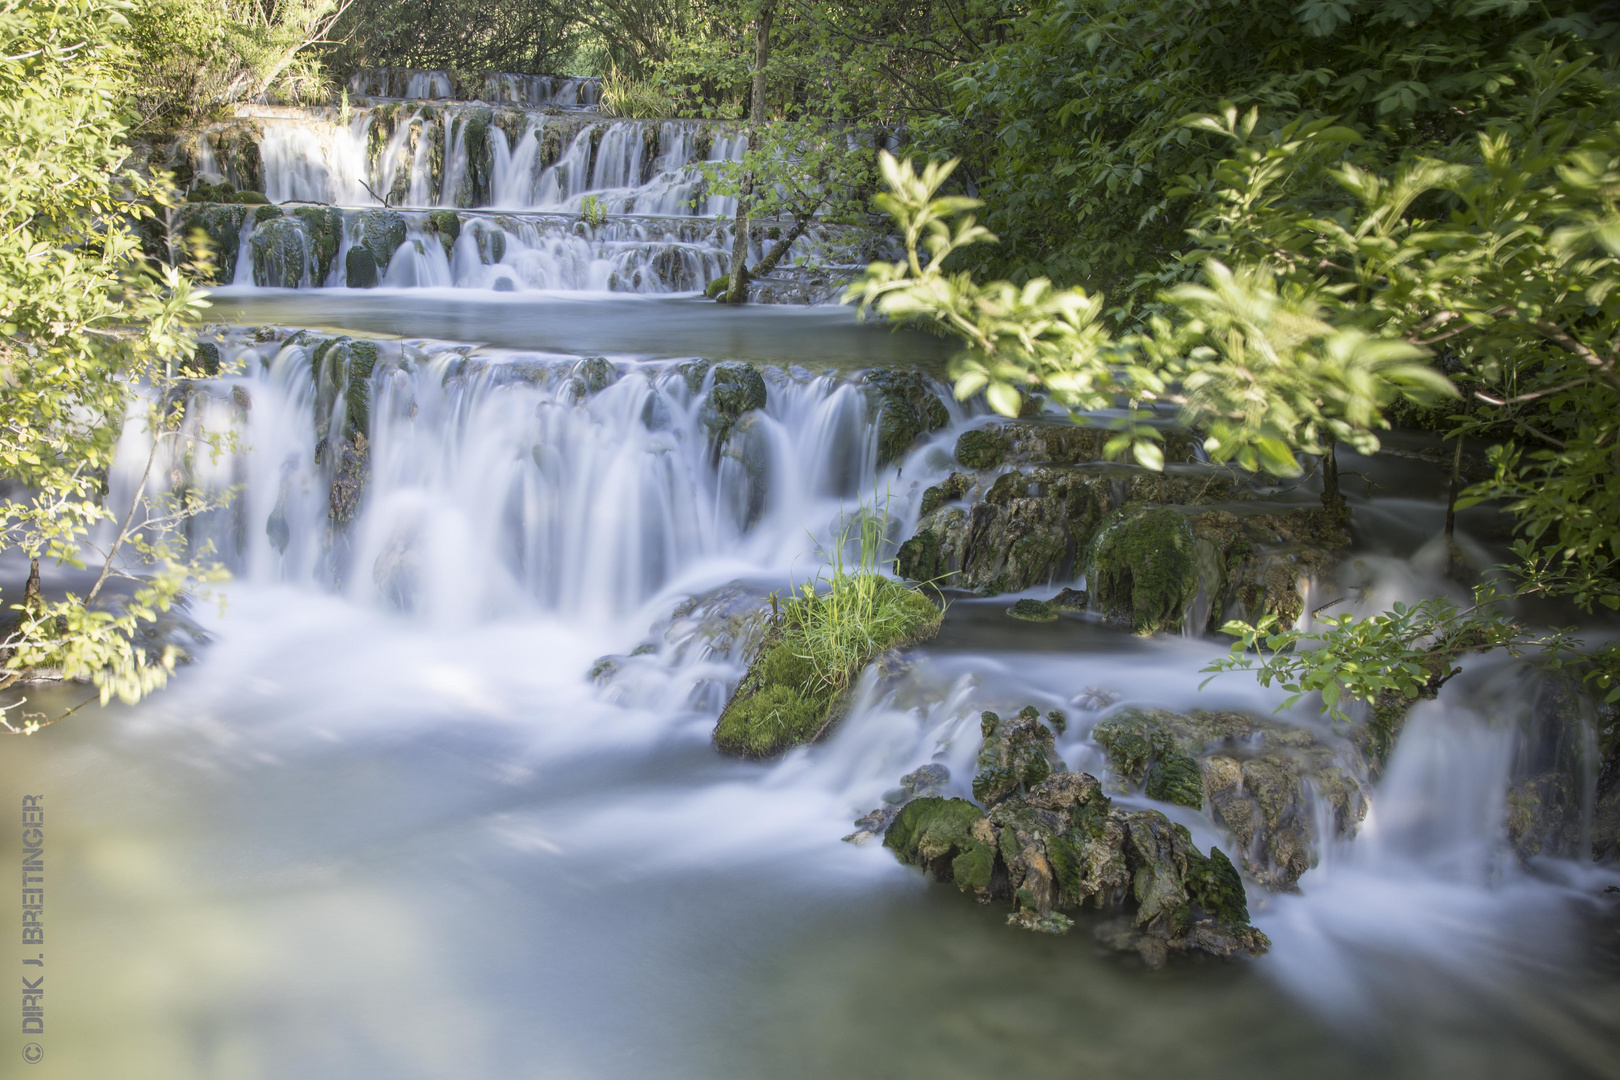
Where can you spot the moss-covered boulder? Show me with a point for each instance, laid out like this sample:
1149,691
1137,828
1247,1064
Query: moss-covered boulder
797,688
323,228
1059,844
953,487
982,448
1143,567
205,361
446,225
360,269
1260,780
342,370
280,252
1028,527
737,388
1030,610
597,373
222,225
904,405
380,232
1017,755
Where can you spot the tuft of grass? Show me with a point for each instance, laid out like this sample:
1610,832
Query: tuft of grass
626,98
594,211
798,685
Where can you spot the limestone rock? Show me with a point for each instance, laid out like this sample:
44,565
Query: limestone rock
905,405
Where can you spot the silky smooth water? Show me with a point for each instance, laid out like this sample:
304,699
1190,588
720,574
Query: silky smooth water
388,825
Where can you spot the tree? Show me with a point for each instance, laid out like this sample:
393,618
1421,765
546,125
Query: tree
86,323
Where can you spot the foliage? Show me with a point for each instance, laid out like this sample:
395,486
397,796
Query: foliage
192,58
594,211
1070,116
632,99
536,38
1260,369
856,612
84,320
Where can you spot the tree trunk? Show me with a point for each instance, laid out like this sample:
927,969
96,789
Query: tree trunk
32,601
737,288
1451,498
800,223
1332,499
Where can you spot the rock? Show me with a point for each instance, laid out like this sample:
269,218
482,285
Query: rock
736,388
1059,844
1251,775
360,269
381,232
446,225
323,229
953,487
342,370
1027,529
280,252
1068,600
1017,754
206,359
1032,611
905,405
693,373
784,700
350,468
223,227
1143,567
981,449
597,372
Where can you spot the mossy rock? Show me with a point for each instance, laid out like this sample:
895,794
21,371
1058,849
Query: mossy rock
279,249
937,835
342,370
922,558
783,701
380,232
323,225
1175,778
446,225
716,289
597,373
953,487
206,359
737,388
906,406
1017,755
223,227
360,269
1144,567
1030,610
983,448
693,373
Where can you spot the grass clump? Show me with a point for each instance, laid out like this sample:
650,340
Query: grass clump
627,98
817,647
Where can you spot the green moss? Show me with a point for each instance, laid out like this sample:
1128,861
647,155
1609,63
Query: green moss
799,683
717,288
1214,885
446,224
1144,566
1032,611
921,558
737,388
953,487
905,406
693,373
360,269
266,213
1176,778
1017,755
938,835
981,449
598,373
380,232
323,225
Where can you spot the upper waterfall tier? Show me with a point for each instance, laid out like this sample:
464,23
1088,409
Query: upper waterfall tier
417,154
495,87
